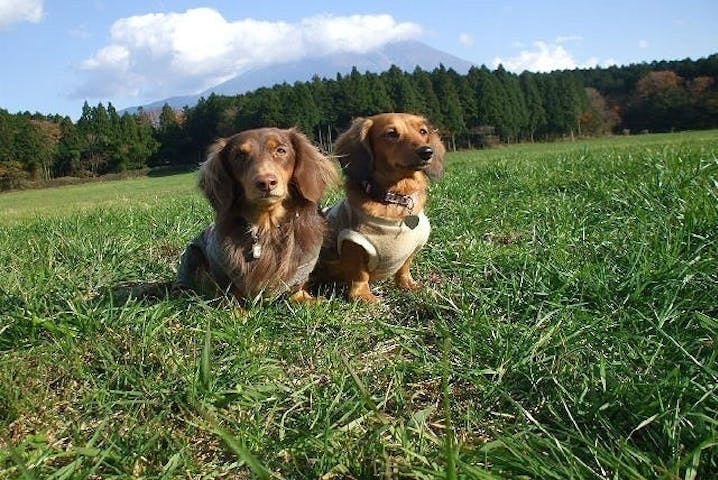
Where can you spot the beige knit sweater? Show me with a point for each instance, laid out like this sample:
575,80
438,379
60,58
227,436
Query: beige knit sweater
388,243
209,247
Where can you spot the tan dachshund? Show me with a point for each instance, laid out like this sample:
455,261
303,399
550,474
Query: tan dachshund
377,229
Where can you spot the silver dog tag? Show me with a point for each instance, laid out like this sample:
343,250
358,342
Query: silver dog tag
256,250
411,221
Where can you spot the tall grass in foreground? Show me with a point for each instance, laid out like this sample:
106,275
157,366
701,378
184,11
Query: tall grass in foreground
567,330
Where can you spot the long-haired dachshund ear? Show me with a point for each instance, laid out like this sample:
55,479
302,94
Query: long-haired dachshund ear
214,178
436,169
313,171
353,151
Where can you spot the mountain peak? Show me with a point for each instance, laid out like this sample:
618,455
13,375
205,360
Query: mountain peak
406,55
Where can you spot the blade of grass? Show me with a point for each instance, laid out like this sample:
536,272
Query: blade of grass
17,459
205,365
450,447
362,388
257,468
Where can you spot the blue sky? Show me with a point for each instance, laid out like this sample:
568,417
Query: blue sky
56,54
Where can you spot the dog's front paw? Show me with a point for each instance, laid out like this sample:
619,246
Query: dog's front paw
407,283
360,292
302,296
367,297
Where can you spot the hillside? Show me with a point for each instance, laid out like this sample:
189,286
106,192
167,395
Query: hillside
405,55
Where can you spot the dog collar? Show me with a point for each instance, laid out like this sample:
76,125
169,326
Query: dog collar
256,246
253,231
388,197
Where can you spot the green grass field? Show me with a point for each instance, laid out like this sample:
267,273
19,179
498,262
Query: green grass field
567,331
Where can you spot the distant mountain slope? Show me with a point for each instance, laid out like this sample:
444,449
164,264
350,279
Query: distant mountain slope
405,55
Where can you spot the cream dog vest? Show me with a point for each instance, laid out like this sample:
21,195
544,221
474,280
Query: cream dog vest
209,244
388,243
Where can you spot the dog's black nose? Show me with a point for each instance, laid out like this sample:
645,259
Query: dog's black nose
266,183
425,153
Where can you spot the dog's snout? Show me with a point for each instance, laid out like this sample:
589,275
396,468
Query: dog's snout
266,183
425,152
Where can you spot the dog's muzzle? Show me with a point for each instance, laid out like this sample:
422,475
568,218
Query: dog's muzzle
425,153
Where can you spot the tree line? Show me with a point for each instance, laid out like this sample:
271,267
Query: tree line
477,109
38,147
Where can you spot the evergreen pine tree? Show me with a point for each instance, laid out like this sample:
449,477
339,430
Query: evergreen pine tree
327,102
467,96
452,119
487,96
536,115
70,149
381,101
552,106
402,90
425,87
270,108
7,136
302,110
357,94
142,144
170,137
515,116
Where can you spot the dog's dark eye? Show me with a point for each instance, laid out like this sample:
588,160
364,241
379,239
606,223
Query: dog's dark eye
281,151
423,131
393,134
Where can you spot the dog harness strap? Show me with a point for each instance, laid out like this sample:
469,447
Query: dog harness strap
354,236
363,242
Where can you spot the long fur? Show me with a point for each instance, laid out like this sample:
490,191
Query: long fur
368,157
282,251
354,151
215,179
286,232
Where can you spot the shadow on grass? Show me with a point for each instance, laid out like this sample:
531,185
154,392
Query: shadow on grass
169,170
149,291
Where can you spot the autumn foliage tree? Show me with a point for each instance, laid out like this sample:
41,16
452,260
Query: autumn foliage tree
599,118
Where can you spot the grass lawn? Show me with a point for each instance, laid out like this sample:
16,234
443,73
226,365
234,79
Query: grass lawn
567,330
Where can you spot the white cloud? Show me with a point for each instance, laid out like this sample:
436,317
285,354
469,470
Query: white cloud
643,44
13,11
115,55
356,33
543,57
546,57
467,40
172,53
